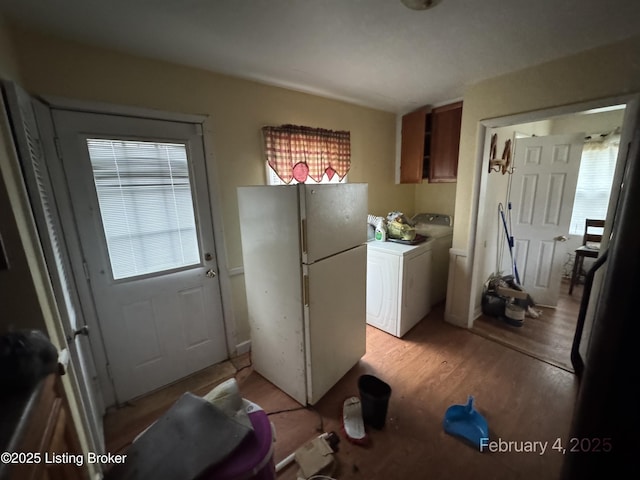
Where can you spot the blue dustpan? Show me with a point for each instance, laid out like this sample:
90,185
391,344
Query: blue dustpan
465,422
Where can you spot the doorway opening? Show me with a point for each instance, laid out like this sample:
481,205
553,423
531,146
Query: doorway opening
550,336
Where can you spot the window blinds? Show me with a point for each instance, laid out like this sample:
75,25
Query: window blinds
595,177
146,205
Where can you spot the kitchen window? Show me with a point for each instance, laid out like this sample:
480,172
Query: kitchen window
299,154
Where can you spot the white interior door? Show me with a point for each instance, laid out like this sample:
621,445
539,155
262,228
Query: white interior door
139,193
542,193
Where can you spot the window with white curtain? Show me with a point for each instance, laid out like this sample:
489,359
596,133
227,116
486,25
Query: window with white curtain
595,178
144,193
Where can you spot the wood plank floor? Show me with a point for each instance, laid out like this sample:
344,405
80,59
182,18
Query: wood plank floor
121,425
548,338
434,366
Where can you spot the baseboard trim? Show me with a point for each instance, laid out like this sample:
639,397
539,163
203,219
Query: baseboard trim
456,320
243,347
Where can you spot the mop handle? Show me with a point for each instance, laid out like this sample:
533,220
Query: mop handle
506,230
512,243
509,207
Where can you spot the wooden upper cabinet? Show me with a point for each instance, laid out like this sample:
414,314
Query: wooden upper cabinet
430,143
445,143
413,146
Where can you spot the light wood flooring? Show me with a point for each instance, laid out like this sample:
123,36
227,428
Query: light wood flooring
434,366
548,338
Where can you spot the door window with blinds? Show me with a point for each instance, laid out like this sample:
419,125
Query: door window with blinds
146,205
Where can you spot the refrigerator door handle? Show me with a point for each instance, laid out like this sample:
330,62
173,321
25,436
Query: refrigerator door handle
306,290
303,228
576,359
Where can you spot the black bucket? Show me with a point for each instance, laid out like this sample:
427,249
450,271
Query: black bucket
374,396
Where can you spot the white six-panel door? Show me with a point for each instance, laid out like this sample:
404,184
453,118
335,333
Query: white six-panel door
542,195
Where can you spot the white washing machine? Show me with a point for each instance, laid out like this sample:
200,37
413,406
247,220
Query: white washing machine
440,228
398,287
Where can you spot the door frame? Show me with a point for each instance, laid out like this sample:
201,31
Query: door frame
69,224
479,209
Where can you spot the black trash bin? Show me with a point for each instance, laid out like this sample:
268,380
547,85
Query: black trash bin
374,396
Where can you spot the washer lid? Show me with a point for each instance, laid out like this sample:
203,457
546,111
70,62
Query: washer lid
434,231
433,224
433,219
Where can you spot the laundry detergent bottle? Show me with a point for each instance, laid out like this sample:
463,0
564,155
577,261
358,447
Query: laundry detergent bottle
381,232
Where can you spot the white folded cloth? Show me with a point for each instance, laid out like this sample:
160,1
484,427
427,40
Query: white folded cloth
226,397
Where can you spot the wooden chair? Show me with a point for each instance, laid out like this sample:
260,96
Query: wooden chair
590,248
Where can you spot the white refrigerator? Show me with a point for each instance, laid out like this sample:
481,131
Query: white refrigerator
305,262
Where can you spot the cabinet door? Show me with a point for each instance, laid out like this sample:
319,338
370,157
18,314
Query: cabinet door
65,440
49,429
413,146
445,143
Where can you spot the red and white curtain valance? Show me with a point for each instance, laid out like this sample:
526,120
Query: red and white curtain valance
300,152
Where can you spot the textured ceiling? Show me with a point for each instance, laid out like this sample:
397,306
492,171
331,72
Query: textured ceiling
376,53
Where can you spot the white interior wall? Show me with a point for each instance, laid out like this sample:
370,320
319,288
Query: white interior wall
588,123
